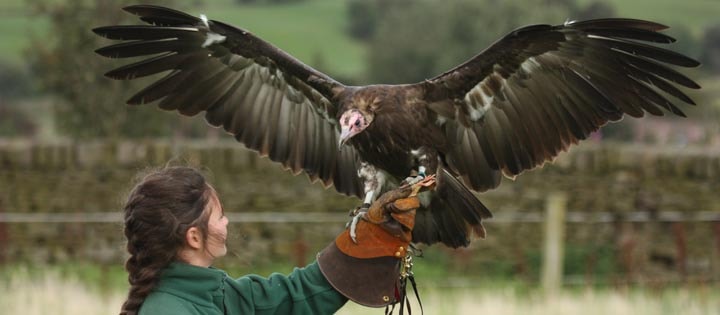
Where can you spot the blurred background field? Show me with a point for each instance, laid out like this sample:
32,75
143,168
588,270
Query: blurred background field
643,214
77,290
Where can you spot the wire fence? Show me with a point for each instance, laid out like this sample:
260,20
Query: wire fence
326,217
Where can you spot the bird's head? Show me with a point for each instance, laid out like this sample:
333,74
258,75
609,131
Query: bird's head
352,122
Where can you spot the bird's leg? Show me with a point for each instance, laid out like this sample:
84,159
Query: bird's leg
359,213
424,160
373,181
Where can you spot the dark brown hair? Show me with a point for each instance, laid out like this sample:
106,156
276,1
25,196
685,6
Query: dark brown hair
158,212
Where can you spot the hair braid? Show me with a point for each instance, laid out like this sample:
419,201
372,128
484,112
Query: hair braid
158,213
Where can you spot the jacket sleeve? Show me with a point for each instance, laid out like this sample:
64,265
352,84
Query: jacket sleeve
304,291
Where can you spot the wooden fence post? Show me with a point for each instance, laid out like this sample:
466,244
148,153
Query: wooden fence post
678,229
4,237
553,253
716,257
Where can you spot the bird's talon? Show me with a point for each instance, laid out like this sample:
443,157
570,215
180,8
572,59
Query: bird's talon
353,226
414,180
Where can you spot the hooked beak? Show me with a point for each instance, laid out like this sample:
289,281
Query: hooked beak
344,136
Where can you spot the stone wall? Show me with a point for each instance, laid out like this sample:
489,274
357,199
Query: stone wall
608,178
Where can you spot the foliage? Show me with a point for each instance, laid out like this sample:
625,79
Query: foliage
686,43
421,39
14,121
65,64
593,10
711,49
362,18
15,81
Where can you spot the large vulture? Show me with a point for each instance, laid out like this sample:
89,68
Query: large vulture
511,108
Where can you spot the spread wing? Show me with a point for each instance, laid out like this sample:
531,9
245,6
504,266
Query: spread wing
542,88
267,99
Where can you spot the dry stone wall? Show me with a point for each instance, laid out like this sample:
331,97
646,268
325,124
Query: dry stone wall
88,177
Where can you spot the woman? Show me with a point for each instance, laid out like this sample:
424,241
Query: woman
175,228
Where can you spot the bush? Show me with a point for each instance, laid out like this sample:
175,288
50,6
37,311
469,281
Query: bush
15,82
420,39
15,122
91,105
710,55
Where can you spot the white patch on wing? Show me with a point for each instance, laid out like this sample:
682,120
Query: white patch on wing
473,99
478,102
475,113
204,19
530,65
211,38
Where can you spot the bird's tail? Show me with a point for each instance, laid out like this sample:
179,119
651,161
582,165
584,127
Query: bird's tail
453,215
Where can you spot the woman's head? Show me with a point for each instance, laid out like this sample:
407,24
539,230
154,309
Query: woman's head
171,214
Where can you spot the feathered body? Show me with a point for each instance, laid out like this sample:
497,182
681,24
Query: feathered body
400,126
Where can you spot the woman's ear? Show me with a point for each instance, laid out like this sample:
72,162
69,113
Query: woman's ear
193,238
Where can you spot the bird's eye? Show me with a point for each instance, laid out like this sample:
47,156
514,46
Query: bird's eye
357,123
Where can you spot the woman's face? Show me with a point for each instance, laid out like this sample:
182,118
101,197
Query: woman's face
217,228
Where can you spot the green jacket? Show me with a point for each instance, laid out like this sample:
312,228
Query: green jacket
186,289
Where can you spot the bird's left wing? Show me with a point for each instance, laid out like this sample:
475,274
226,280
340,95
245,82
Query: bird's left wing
542,88
268,100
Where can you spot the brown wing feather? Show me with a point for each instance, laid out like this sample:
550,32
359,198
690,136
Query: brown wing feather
267,99
542,88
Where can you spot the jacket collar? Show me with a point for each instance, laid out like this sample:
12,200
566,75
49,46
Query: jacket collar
199,285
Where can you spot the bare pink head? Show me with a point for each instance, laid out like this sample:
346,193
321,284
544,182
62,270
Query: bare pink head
352,122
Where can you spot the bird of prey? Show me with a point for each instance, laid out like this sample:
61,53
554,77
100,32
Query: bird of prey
511,108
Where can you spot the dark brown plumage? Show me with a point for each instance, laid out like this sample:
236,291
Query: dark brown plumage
511,108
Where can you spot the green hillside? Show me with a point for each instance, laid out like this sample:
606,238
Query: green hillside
313,30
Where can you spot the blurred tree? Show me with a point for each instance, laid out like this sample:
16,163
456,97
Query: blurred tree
710,55
14,121
420,39
686,43
90,105
362,18
593,10
15,81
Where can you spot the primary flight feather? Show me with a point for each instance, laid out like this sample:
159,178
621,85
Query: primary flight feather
511,108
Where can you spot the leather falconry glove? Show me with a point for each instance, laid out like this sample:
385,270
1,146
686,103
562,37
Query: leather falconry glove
368,271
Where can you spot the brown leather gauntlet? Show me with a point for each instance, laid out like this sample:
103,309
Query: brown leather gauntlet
385,232
368,272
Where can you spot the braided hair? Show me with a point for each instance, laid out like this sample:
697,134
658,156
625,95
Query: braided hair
158,212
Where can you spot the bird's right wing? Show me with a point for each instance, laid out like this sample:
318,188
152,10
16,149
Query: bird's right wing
542,88
268,100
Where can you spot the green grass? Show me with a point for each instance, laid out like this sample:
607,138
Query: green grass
70,290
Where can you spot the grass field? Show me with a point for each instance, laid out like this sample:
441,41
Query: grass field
51,292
